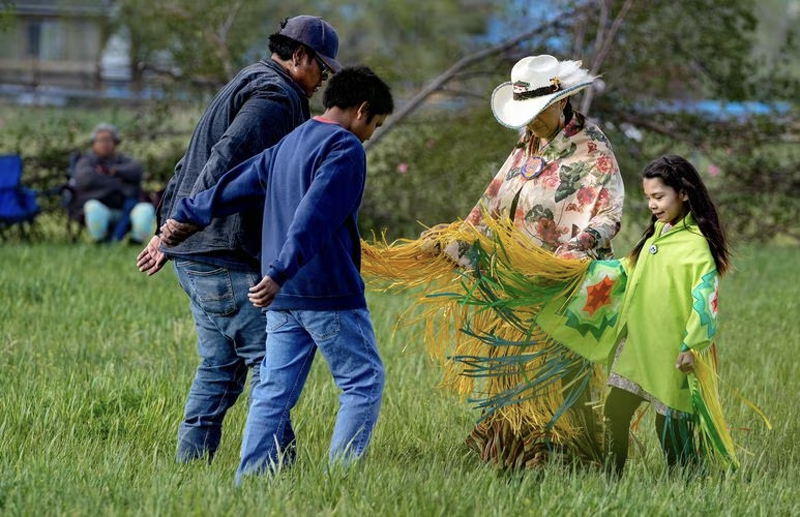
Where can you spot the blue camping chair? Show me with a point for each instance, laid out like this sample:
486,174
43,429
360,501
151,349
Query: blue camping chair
17,203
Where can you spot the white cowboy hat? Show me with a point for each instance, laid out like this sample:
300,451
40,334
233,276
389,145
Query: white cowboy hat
537,82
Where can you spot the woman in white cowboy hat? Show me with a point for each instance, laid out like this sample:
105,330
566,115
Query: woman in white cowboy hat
562,189
562,172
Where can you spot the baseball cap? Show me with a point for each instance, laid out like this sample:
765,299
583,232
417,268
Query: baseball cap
315,33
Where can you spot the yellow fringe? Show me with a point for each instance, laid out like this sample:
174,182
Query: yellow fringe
405,264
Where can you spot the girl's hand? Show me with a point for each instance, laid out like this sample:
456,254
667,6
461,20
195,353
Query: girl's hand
685,362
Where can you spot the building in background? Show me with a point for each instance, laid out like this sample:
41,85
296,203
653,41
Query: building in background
53,50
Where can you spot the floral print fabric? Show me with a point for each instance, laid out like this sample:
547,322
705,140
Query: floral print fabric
567,198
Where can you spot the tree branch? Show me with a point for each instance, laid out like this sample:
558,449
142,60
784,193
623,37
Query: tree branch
462,63
602,51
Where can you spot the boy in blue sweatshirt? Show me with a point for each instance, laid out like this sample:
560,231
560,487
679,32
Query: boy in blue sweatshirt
310,186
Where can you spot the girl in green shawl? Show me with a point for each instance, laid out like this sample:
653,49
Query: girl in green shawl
668,312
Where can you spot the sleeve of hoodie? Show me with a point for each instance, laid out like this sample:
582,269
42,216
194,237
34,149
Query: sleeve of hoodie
242,188
260,123
332,197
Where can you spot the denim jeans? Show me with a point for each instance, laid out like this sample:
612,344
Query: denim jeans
230,340
347,342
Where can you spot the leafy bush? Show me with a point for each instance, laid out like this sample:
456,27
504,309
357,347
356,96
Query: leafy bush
432,170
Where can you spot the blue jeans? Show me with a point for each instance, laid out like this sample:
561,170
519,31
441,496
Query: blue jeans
347,342
230,340
107,223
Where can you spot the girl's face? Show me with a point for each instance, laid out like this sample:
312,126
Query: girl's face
668,205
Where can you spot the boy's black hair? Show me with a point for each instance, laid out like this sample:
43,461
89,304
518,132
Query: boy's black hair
355,85
677,173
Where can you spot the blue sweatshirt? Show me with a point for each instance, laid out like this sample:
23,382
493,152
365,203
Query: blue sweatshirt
310,186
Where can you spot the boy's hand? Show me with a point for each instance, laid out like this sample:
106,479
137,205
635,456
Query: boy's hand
262,294
175,232
150,260
685,362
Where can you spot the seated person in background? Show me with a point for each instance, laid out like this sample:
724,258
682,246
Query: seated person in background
108,189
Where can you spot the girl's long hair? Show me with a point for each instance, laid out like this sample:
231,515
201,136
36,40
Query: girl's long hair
677,173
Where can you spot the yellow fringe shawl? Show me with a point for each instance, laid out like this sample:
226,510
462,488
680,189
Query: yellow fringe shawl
407,264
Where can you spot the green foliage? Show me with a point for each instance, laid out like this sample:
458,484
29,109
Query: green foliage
409,42
432,171
46,137
661,53
204,43
199,42
96,360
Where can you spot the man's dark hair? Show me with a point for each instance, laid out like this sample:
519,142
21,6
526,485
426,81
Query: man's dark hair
357,84
285,46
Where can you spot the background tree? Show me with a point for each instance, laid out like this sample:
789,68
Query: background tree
661,63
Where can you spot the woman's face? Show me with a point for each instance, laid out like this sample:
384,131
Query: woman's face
548,121
663,201
103,144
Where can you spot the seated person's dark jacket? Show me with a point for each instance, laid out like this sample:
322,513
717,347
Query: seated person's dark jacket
108,180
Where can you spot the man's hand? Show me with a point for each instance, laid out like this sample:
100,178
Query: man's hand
262,294
150,260
175,232
685,362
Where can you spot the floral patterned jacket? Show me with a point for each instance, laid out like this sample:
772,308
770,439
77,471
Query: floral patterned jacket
568,198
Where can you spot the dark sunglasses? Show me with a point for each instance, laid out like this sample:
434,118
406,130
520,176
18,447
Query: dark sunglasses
323,68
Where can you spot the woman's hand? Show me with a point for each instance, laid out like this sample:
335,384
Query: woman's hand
685,362
430,240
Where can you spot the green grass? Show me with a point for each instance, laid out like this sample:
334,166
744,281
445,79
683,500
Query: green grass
95,361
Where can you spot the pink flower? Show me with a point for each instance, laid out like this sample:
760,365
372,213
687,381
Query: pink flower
402,167
605,164
713,170
548,231
519,218
516,158
549,176
585,195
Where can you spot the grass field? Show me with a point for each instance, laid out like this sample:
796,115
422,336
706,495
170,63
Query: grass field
95,361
